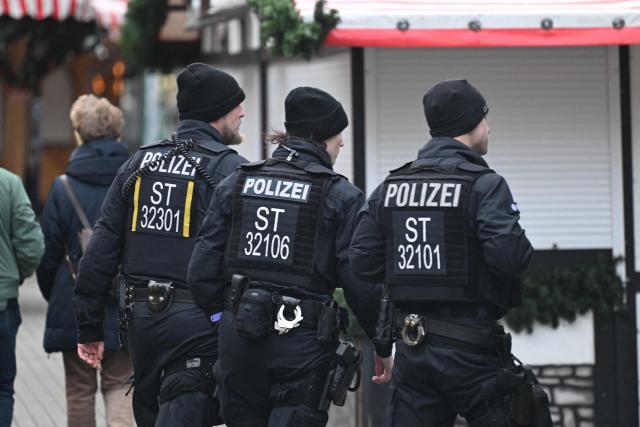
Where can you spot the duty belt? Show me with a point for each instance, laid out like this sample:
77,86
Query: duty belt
310,310
141,294
415,328
463,311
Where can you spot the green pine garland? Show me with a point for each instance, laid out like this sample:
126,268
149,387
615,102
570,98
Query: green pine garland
284,32
139,33
139,41
564,293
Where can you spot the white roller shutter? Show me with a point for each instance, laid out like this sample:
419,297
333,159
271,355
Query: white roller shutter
549,114
331,74
248,78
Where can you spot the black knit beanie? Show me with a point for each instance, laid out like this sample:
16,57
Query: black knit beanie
313,114
206,94
453,108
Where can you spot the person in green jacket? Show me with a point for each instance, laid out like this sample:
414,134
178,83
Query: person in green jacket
21,246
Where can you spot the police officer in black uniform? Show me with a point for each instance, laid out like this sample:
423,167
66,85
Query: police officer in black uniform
280,236
442,232
148,225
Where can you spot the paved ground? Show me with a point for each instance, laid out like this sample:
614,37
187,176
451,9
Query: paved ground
40,396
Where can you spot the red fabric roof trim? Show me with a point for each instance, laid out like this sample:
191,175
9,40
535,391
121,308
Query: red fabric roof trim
483,38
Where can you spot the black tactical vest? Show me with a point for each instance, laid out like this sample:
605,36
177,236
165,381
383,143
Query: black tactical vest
431,254
277,208
167,202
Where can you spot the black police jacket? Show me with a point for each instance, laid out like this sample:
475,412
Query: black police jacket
331,261
492,215
107,249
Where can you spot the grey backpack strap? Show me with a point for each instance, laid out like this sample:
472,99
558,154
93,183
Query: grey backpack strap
74,201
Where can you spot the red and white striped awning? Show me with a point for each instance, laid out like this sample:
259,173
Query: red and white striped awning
476,23
108,13
80,10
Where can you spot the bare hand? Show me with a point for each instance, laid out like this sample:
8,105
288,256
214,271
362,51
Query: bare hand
91,353
384,367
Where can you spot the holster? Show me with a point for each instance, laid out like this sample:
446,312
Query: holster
385,326
126,302
207,384
340,379
325,383
525,400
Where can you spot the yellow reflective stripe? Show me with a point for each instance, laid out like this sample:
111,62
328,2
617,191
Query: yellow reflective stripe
187,210
136,193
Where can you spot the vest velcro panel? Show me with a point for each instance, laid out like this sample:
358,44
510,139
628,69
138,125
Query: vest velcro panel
163,216
429,248
274,227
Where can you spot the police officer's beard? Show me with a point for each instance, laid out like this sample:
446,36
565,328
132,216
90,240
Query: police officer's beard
231,137
485,146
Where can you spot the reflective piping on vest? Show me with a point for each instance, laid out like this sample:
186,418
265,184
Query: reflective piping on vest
187,210
136,193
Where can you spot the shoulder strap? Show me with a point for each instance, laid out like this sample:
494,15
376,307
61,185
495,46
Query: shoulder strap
253,165
157,144
215,147
398,169
74,201
302,165
474,168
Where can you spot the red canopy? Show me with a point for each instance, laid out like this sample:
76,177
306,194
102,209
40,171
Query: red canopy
475,23
80,10
108,13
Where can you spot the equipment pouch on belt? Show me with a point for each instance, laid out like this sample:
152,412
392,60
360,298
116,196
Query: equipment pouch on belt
385,323
341,379
526,402
160,295
328,322
254,318
126,300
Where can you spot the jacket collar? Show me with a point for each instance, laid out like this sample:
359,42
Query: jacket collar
97,161
304,151
204,134
197,130
450,150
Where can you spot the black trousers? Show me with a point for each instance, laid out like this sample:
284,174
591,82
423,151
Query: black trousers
250,371
157,339
434,382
